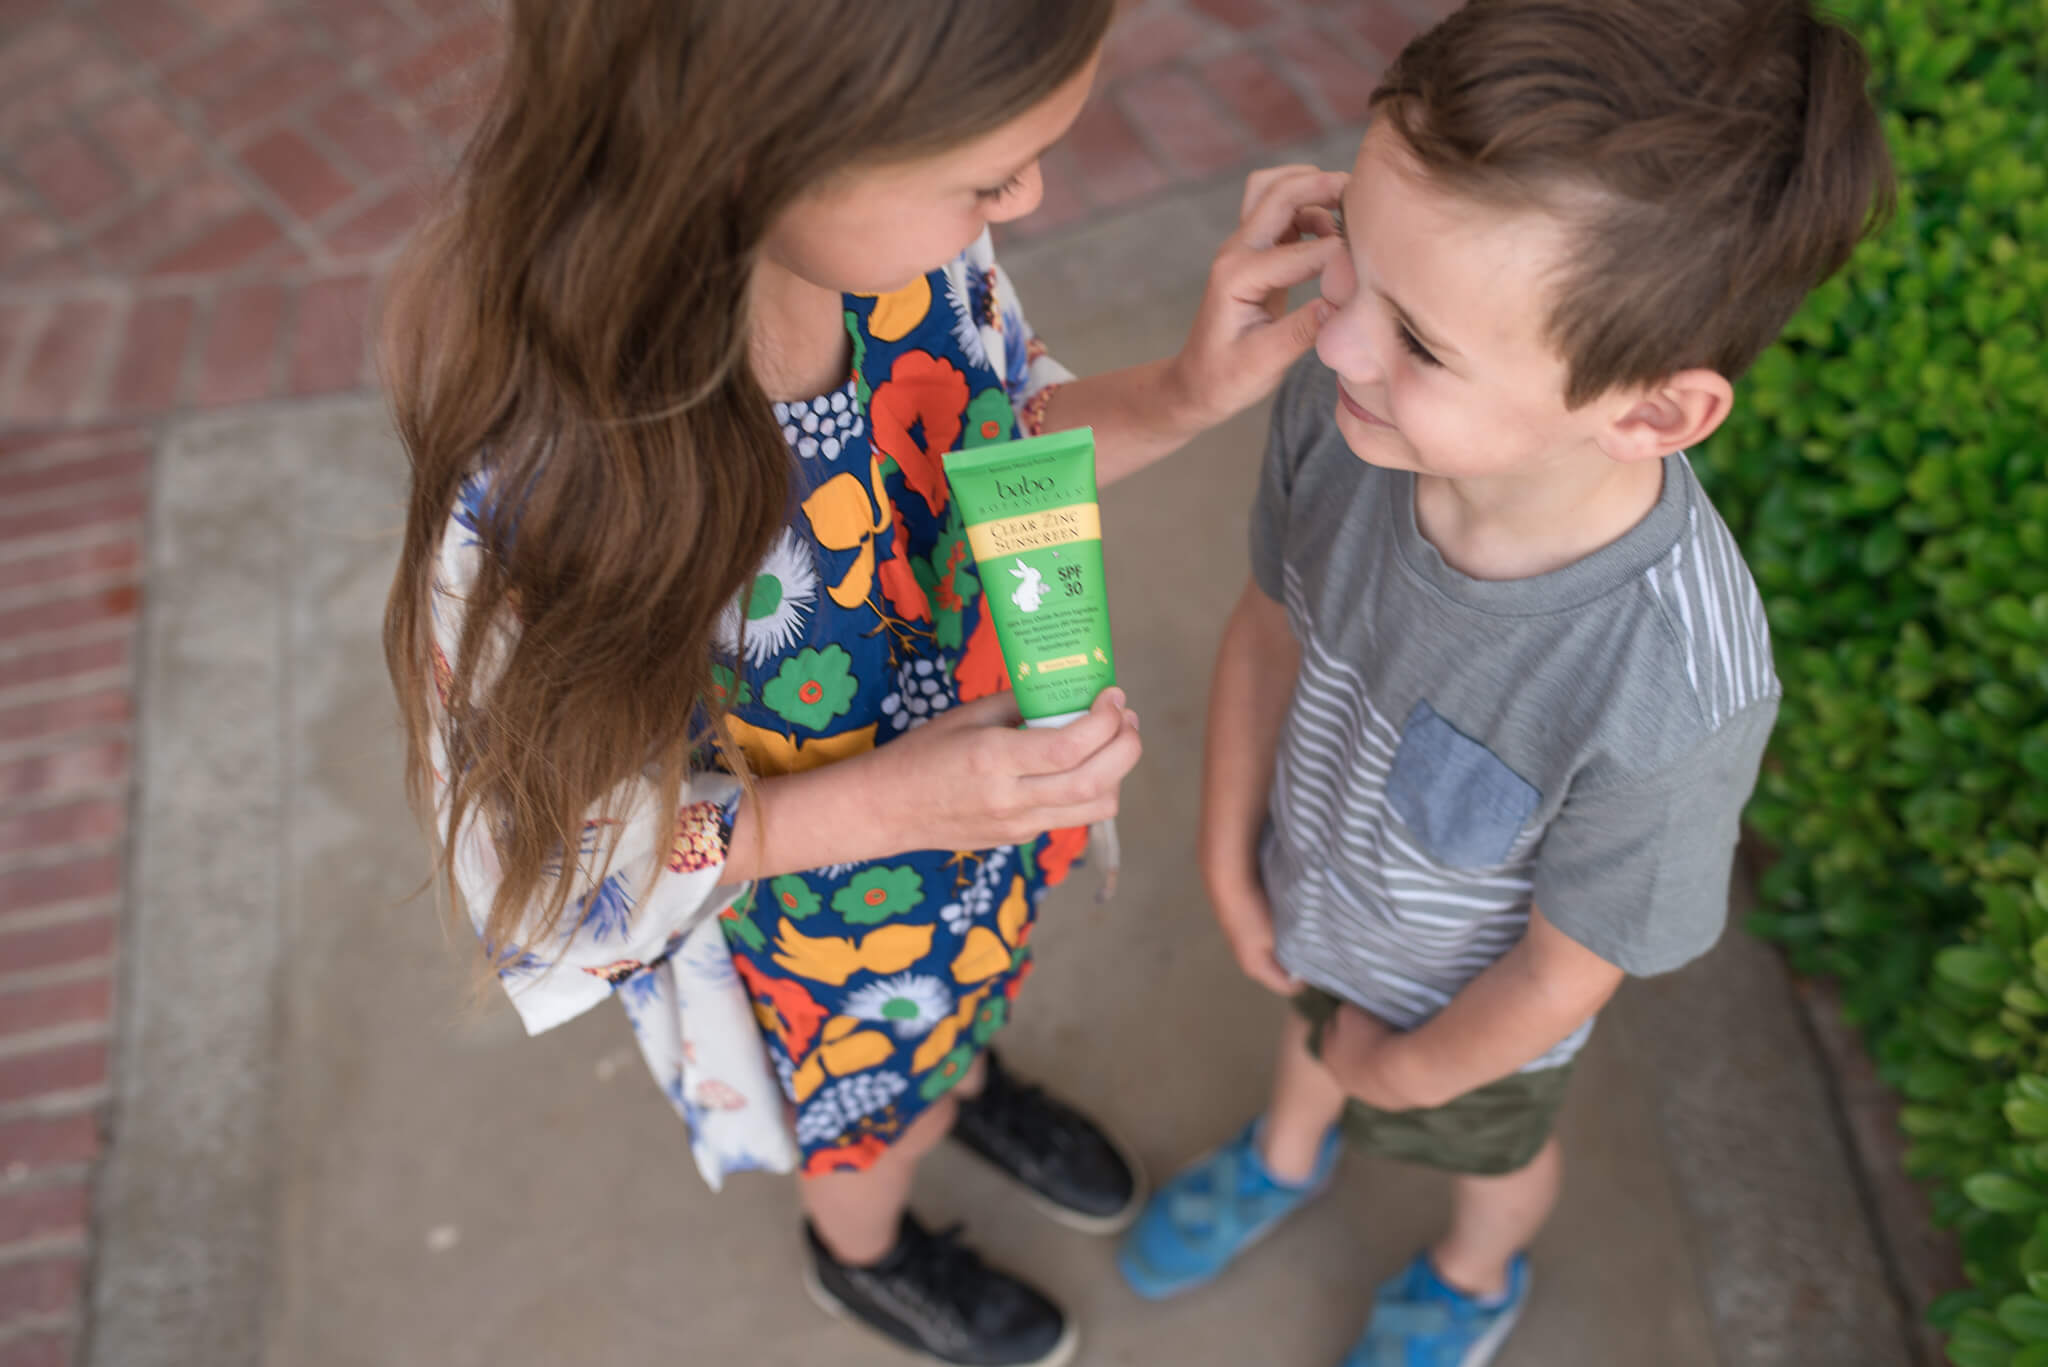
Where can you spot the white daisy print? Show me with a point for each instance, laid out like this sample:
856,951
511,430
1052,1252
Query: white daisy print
909,1003
966,329
775,604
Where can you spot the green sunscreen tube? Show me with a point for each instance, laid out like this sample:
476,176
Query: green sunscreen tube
1031,517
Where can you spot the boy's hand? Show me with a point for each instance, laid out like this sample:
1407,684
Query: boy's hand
1247,920
1355,1051
1243,339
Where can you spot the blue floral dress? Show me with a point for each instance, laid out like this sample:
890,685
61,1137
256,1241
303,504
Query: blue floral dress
861,992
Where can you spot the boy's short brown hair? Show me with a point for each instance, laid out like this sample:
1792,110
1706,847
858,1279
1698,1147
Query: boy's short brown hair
1721,157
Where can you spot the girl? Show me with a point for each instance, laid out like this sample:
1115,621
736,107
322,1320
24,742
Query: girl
689,644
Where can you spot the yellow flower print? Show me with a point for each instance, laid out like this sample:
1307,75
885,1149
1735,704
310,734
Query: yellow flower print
770,753
940,1041
984,955
898,311
835,958
846,1048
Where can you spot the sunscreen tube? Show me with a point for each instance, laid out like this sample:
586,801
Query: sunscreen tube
1031,517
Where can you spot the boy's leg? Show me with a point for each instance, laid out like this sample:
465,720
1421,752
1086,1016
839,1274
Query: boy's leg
1306,1102
1495,1218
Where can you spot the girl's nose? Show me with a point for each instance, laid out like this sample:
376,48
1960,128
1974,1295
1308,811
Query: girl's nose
1022,200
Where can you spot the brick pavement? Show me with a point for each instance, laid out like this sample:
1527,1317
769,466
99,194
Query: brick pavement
198,199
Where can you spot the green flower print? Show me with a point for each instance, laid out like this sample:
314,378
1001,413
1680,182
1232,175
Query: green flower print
993,1016
793,897
813,687
737,921
730,690
876,894
946,1072
989,418
861,391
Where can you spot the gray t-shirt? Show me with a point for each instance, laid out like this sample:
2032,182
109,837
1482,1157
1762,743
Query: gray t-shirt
1457,748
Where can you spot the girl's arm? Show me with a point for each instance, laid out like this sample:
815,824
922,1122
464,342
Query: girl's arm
1242,342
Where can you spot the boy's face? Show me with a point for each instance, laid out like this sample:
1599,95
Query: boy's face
1438,342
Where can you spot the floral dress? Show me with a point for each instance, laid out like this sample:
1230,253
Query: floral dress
861,993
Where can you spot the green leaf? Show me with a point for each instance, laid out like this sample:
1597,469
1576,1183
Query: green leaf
2033,1355
1997,1191
2028,1118
2025,1317
1973,967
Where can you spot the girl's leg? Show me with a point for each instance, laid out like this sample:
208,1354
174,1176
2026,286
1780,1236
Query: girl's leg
1306,1102
1493,1219
858,1215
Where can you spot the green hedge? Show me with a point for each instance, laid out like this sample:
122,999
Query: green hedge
1885,471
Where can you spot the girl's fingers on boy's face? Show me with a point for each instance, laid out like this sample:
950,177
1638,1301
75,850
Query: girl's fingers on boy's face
1316,220
1283,199
1252,276
1258,182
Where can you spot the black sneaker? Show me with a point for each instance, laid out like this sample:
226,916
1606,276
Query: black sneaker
1076,1173
935,1296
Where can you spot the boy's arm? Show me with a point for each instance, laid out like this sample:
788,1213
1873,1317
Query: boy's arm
1255,673
1516,1011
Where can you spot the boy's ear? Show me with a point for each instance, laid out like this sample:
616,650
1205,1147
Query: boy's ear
1680,411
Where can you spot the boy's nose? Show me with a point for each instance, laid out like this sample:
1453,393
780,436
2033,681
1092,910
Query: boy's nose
1345,347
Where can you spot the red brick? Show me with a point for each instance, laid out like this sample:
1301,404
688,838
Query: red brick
71,175
171,217
1265,103
47,884
83,822
65,662
113,557
33,54
1184,123
367,28
223,247
299,75
46,721
18,450
1384,29
64,771
1146,38
79,81
1114,165
456,119
145,137
25,235
149,377
241,345
109,605
1344,85
65,358
217,73
48,1142
43,1212
41,1286
70,942
47,1348
381,226
297,173
16,15
446,9
42,1008
227,13
65,1068
378,144
152,29
127,464
333,335
118,508
1237,14
466,45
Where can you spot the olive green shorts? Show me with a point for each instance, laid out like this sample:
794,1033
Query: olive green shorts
1490,1131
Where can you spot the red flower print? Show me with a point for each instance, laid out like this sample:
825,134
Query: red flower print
855,1155
797,1016
444,674
982,672
617,972
899,582
1016,983
927,393
697,843
1062,848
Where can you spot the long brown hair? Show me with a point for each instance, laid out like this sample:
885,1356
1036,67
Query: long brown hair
576,321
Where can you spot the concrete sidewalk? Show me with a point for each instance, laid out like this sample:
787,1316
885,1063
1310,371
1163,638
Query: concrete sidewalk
325,1157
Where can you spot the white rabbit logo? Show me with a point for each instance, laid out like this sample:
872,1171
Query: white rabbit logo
1031,592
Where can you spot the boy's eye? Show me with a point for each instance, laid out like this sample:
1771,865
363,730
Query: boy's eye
1003,191
1415,347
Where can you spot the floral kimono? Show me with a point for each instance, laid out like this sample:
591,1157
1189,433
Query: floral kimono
844,999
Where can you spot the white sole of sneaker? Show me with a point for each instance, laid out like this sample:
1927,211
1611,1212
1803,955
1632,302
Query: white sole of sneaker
1481,1353
1062,1352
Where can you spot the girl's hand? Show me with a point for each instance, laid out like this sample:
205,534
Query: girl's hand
1247,920
970,779
1244,339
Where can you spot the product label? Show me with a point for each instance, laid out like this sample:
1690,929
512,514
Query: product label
1030,531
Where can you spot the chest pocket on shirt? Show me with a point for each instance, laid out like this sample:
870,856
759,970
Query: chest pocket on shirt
1463,803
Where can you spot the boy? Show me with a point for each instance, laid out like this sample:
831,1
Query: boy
1486,717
